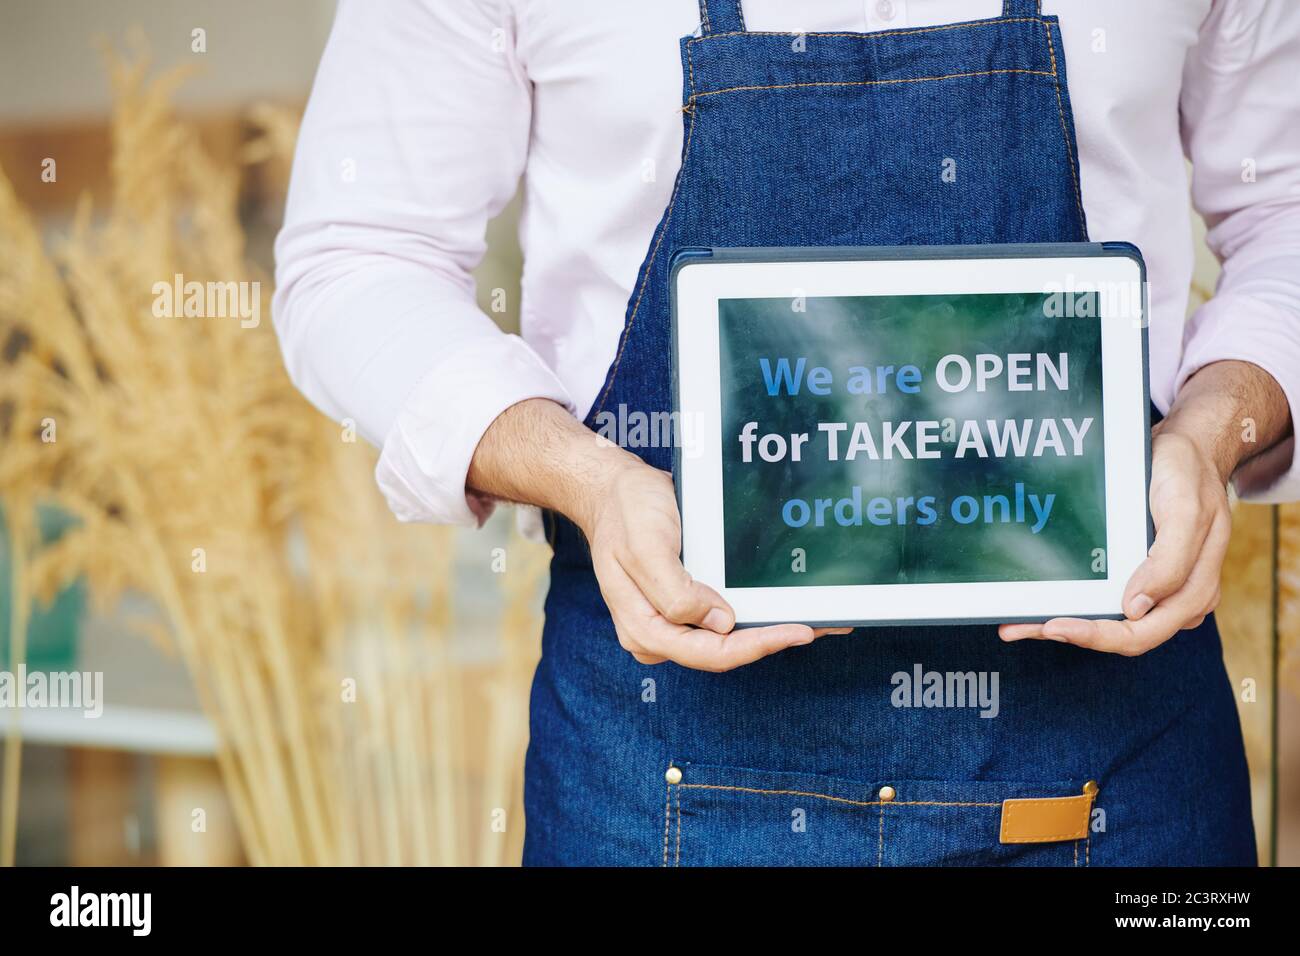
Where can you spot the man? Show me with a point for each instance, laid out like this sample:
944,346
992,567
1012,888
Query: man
423,117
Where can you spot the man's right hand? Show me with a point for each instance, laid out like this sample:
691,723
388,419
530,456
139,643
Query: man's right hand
536,453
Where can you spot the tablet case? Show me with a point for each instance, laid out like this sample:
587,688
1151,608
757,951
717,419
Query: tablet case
685,256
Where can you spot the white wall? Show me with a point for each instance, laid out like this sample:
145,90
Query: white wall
51,68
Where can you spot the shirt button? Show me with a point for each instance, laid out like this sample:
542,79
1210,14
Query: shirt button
885,10
674,775
887,794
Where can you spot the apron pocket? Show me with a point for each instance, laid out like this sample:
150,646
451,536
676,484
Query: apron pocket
731,816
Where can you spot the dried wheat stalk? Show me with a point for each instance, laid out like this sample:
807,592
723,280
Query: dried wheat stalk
174,434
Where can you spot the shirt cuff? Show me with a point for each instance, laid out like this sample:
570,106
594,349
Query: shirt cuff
426,454
1247,329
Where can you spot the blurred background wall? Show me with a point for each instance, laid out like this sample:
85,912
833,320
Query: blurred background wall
50,73
125,788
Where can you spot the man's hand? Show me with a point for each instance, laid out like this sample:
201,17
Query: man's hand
536,453
660,613
1178,583
1194,452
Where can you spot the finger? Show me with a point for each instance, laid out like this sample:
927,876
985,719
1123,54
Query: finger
1161,623
1181,529
705,650
1185,608
1130,637
1200,594
1203,592
659,574
1010,633
1018,632
652,639
628,608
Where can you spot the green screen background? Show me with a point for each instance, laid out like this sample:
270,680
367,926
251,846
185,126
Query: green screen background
842,332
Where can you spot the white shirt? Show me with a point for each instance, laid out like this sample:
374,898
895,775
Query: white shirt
425,113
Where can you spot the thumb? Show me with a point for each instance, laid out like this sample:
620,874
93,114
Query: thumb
675,594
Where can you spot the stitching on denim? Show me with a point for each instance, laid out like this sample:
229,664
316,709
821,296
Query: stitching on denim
704,13
783,793
1087,843
880,845
910,79
678,861
1065,132
668,796
827,796
878,35
690,72
649,268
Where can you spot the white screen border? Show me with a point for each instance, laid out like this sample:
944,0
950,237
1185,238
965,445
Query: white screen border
699,284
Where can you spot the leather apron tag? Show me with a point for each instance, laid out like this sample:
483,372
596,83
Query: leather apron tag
1045,820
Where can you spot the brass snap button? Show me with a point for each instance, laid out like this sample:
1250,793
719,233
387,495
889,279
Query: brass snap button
674,775
887,794
1090,788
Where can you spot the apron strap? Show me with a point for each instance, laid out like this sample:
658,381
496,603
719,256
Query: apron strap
721,16
1030,9
726,16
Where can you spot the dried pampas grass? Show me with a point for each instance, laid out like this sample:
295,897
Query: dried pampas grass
1288,584
317,630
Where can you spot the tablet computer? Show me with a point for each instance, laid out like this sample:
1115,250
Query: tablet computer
912,434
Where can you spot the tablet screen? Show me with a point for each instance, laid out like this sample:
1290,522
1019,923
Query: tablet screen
907,439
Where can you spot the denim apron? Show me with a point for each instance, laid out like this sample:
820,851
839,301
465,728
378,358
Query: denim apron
803,758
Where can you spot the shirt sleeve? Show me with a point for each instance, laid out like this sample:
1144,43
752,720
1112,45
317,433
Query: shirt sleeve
415,135
1241,130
